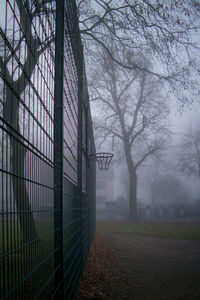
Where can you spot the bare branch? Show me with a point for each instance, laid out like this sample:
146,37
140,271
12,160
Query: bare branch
139,103
46,44
131,65
147,154
110,131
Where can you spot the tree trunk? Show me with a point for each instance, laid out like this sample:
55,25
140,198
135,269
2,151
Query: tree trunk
18,150
132,184
18,154
24,211
132,196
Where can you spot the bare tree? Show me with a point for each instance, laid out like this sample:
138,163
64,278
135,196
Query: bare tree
133,110
20,49
189,152
164,29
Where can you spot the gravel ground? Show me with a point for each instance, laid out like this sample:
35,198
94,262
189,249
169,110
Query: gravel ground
141,268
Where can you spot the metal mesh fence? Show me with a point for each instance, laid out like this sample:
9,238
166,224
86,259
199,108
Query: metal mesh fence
47,186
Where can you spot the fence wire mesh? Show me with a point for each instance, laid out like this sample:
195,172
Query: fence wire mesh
47,187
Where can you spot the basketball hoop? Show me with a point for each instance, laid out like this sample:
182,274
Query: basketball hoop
103,159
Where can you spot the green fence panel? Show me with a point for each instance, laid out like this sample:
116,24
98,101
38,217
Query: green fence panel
47,185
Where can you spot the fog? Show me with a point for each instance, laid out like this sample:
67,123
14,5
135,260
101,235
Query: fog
177,187
147,115
163,180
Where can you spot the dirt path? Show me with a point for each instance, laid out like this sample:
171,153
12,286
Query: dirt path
142,268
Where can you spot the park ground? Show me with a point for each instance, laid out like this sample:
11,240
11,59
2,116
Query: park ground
143,261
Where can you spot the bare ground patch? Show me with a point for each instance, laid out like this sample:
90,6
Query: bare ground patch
140,268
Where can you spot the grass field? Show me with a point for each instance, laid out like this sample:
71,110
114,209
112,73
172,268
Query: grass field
177,229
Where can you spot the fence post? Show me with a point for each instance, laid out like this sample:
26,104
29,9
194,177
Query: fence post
80,136
58,150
